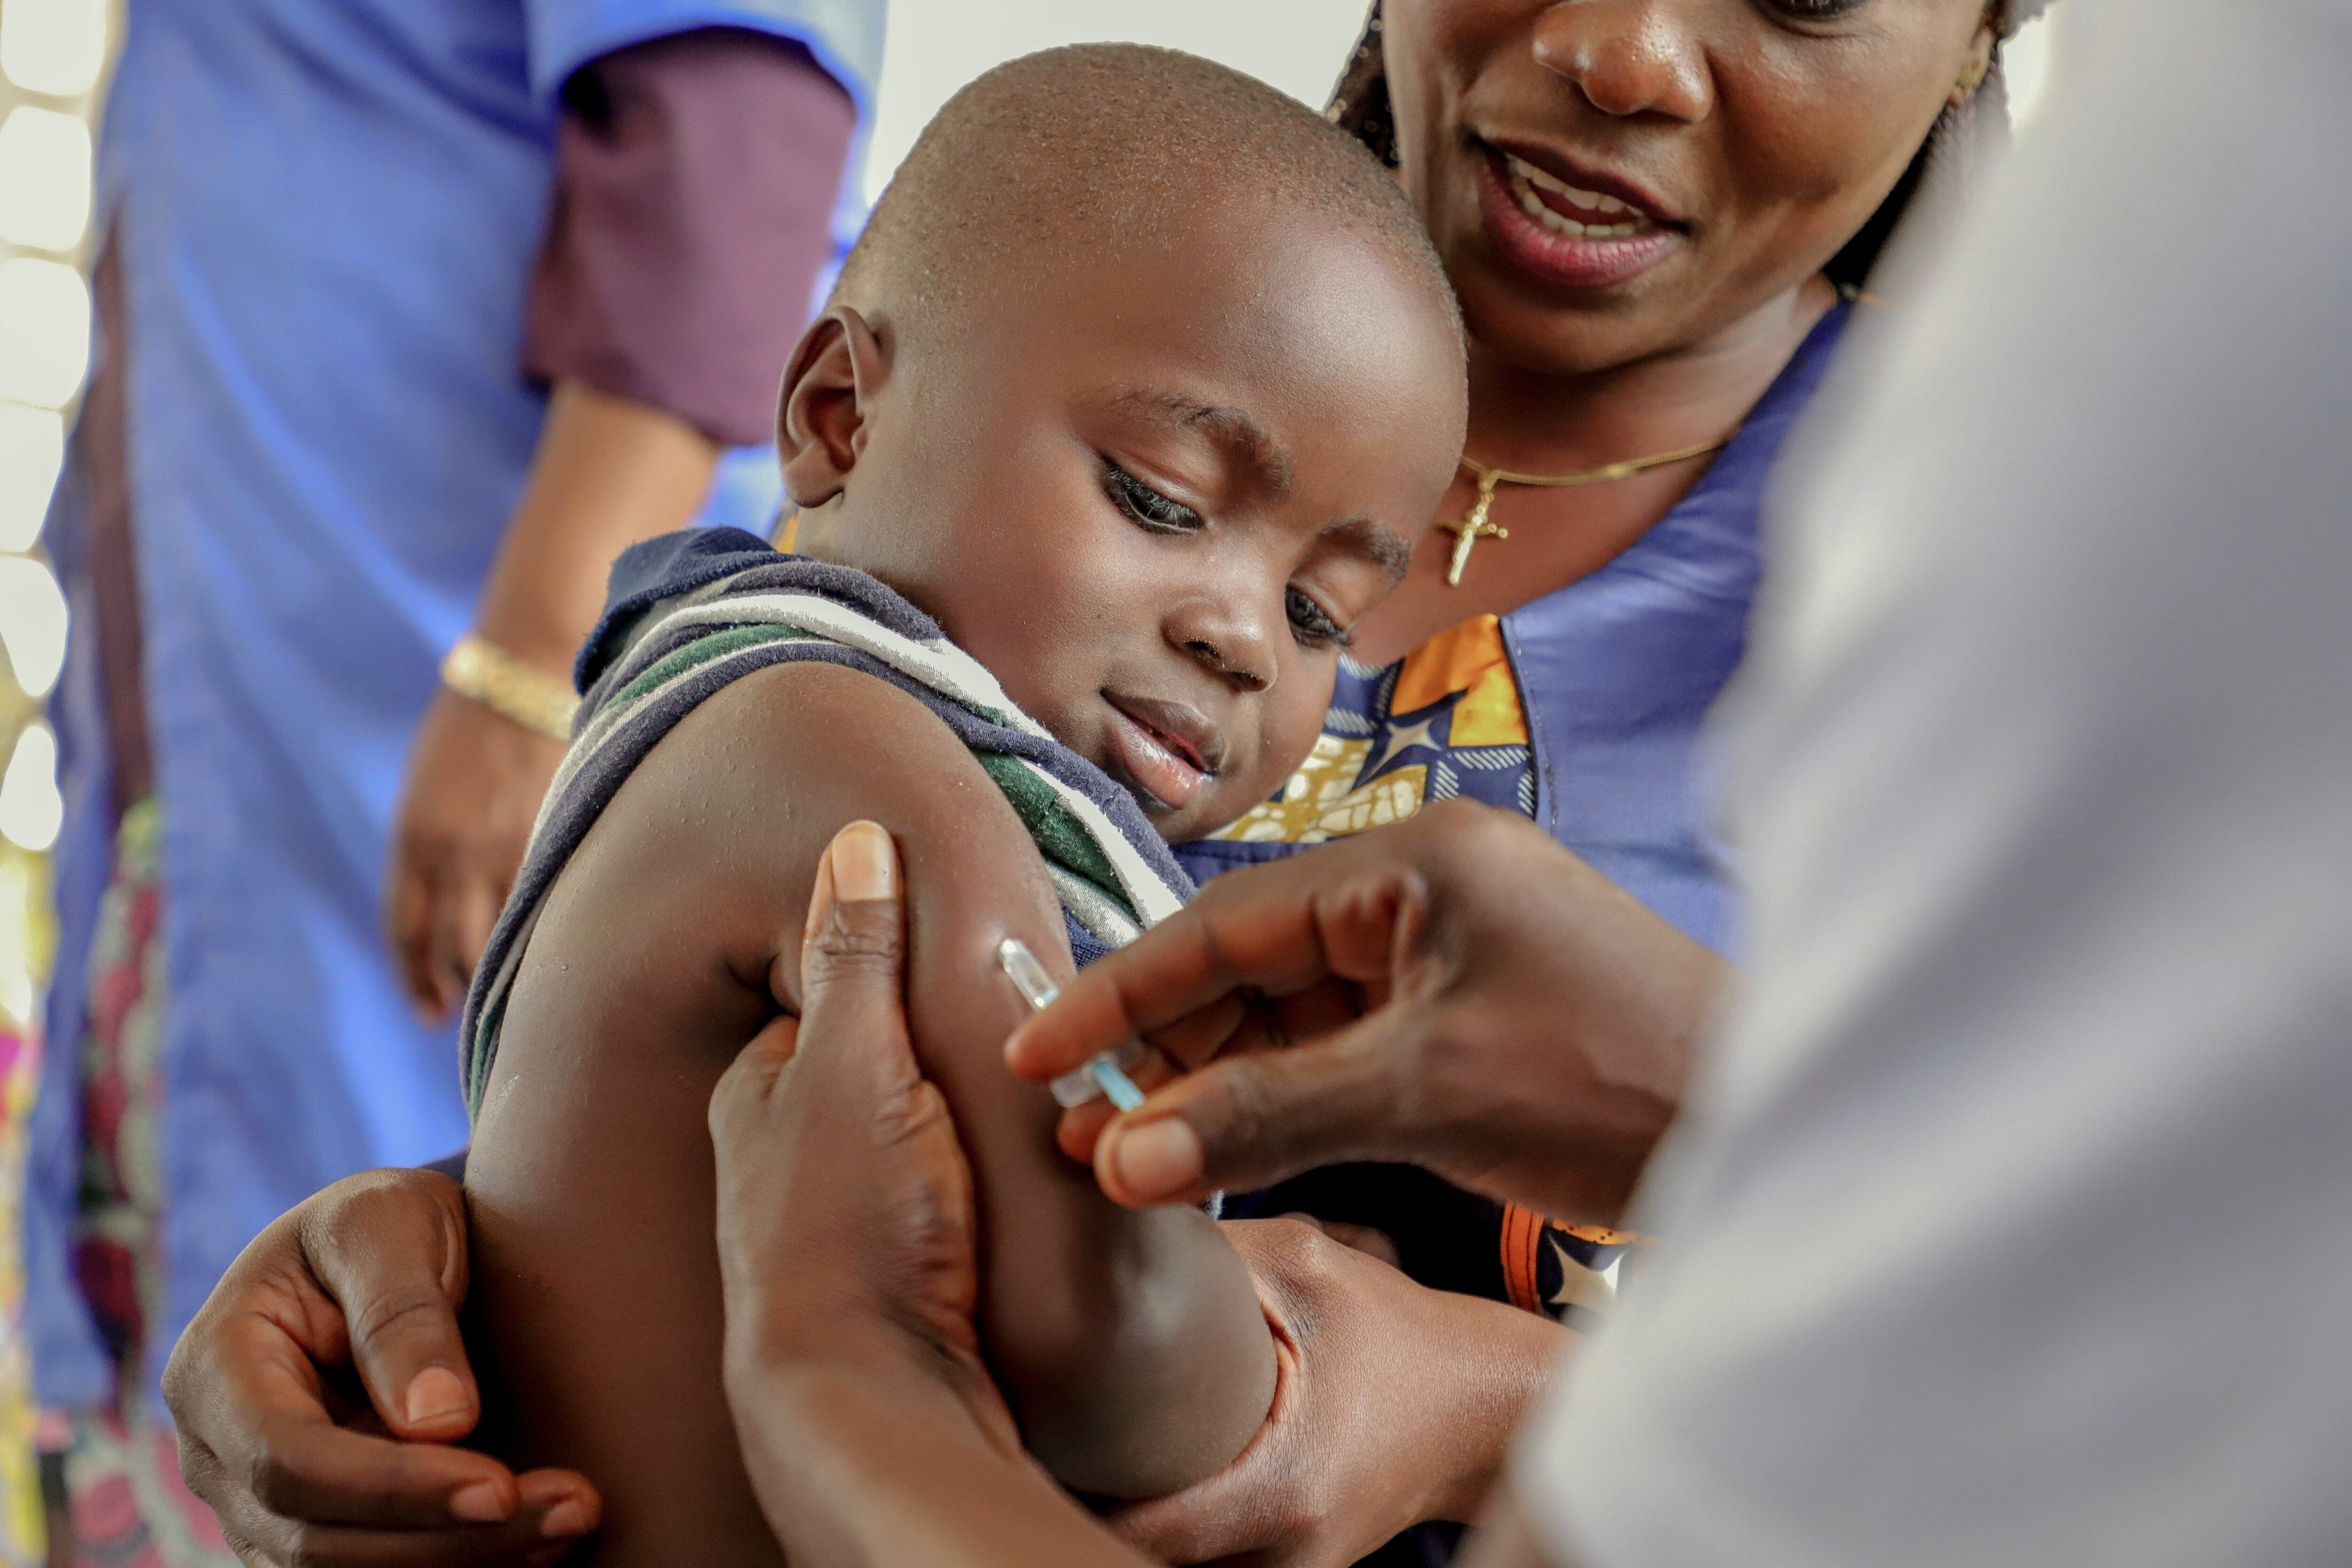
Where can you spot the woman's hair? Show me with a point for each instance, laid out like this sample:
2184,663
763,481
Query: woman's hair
1360,105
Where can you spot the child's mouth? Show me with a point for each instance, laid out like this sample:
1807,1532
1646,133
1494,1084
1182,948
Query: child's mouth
1167,751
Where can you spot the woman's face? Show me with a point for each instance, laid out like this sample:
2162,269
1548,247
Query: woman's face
1610,180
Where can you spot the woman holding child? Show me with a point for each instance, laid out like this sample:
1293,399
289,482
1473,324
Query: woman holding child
1656,214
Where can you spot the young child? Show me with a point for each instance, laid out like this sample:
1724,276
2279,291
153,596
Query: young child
1132,399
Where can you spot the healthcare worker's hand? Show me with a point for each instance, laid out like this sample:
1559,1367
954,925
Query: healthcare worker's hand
1395,1403
870,1429
847,1255
845,1219
318,1394
475,782
1457,991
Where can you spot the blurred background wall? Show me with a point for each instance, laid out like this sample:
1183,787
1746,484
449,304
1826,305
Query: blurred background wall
53,55
937,45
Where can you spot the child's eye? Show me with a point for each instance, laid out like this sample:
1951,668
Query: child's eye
1816,10
1146,505
1311,624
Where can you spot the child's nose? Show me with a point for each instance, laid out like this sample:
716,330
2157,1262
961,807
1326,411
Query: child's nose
1241,676
1231,644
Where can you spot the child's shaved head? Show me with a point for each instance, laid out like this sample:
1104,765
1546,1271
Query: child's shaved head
1104,147
1142,382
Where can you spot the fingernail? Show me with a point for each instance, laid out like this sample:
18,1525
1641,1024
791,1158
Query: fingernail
569,1517
820,898
479,1502
865,865
434,1392
1159,1157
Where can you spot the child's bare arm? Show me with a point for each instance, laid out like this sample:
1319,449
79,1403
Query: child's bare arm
1130,1344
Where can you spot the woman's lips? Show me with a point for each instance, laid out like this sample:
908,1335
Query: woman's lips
1565,208
1527,215
1165,765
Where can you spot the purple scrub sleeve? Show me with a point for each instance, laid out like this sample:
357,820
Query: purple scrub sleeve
695,177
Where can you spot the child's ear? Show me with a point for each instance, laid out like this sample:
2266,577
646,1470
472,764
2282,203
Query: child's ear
829,389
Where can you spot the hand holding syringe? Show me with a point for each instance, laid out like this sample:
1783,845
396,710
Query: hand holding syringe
1106,1073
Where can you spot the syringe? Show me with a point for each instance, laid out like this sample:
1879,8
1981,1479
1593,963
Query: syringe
1106,1073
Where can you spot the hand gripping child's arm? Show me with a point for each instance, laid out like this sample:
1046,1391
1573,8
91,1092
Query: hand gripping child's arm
1129,1344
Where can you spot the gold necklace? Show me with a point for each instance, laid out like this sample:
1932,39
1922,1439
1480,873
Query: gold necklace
1469,530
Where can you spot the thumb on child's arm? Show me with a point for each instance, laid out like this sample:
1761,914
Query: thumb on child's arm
852,1017
391,1251
853,956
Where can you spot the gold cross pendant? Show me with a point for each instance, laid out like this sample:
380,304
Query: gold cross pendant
1469,530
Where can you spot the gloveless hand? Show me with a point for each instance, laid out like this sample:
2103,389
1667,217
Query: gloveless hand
1458,992
609,471
1395,1404
475,783
848,1254
320,1393
846,1231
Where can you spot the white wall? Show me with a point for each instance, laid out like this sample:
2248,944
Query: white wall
934,47
2026,63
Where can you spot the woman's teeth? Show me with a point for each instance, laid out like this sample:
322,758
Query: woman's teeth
1612,219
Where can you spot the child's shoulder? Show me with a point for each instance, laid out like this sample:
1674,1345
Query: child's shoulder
699,566
795,670
753,701
692,613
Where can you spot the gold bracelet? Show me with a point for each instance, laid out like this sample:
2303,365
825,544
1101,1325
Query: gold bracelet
488,674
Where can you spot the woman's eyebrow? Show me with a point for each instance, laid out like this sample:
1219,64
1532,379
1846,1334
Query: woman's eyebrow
1245,443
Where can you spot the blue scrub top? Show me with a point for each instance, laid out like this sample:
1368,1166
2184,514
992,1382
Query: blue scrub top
328,212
